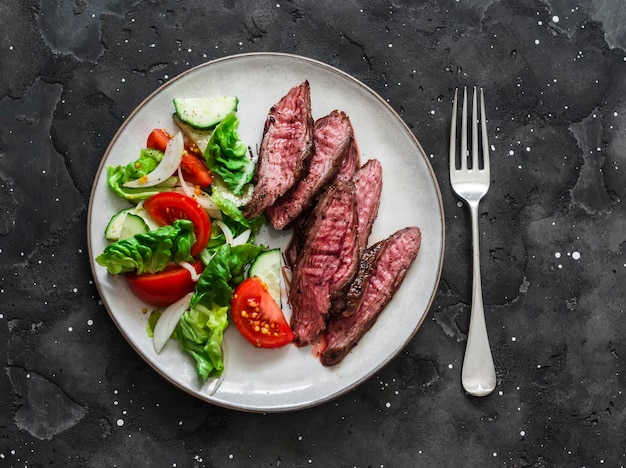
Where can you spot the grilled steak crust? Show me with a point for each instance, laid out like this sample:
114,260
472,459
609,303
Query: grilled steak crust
367,263
327,262
332,136
297,240
286,147
350,163
378,284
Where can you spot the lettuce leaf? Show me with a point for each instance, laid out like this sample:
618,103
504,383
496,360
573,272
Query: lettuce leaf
150,252
225,271
201,328
234,219
229,208
200,332
227,155
117,176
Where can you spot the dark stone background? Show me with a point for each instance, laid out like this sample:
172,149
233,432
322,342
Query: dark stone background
73,393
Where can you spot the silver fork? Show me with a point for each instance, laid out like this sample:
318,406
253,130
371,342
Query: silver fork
471,183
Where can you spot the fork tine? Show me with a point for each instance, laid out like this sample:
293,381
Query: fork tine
474,132
464,132
453,135
483,125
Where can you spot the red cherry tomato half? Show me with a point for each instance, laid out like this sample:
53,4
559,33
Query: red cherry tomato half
192,166
158,139
257,316
165,287
167,207
195,171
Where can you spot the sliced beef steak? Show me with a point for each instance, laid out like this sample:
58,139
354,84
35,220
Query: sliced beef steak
286,147
332,136
327,262
378,282
368,182
350,163
297,239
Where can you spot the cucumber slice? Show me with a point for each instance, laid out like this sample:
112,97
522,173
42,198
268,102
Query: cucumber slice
199,137
114,229
267,267
133,225
124,224
206,112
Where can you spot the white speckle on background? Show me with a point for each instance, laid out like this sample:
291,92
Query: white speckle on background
576,255
555,19
120,422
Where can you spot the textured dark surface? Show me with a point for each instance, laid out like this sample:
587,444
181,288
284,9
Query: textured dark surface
73,393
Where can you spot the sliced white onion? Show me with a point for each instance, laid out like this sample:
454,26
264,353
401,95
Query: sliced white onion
242,238
187,190
168,320
192,271
171,160
228,234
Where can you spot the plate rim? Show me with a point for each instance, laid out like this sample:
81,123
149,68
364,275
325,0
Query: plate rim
329,68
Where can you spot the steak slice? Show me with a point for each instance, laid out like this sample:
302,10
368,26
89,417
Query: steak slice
297,239
332,135
327,262
351,162
368,183
378,282
349,165
286,147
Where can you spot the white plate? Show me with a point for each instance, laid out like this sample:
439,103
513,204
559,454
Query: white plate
288,378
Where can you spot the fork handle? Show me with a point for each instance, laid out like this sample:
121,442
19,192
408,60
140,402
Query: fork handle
478,374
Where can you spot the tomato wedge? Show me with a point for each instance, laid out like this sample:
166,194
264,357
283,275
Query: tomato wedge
165,287
257,316
167,207
195,171
193,168
158,139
